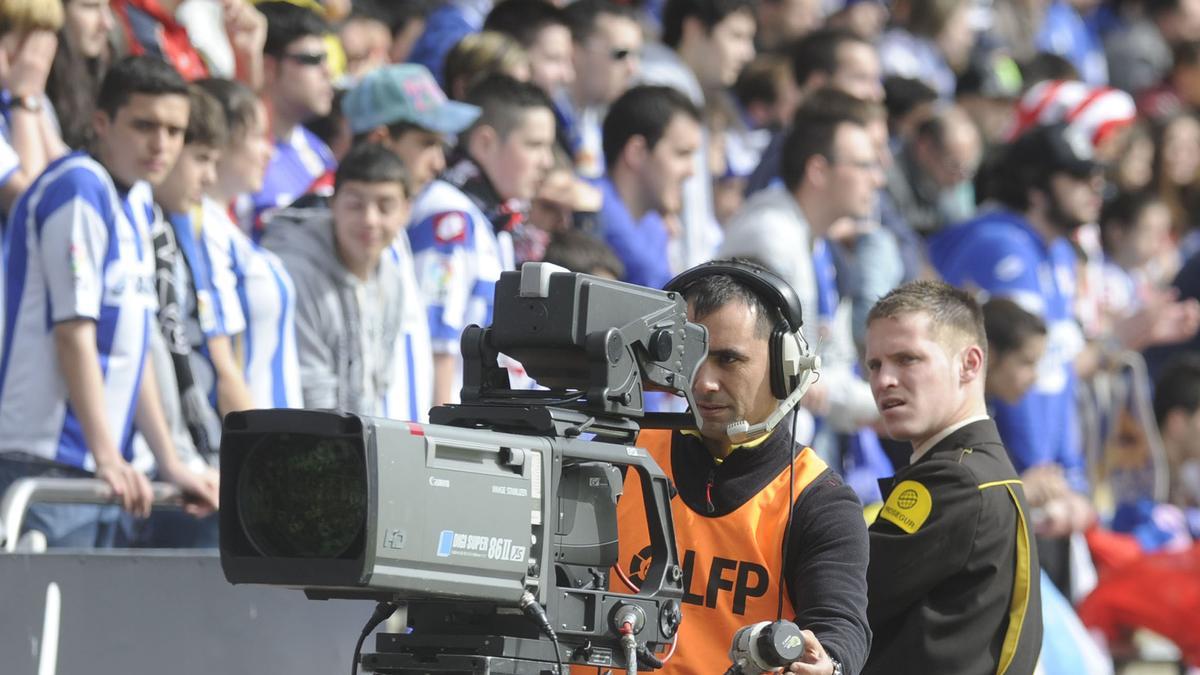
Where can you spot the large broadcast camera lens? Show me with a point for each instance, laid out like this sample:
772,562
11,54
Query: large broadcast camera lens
304,496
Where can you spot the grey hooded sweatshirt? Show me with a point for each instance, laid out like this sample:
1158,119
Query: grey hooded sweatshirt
346,328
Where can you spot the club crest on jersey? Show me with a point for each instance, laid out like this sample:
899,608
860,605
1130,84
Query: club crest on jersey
450,227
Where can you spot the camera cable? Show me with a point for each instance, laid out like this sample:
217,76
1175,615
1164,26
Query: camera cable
383,611
534,610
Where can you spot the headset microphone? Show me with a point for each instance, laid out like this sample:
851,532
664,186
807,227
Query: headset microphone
742,431
765,646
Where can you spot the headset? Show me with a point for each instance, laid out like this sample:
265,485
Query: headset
793,366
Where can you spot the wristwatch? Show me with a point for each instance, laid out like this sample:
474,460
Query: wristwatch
31,103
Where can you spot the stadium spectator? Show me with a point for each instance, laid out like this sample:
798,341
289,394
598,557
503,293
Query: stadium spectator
296,88
402,107
1139,257
29,137
607,57
931,43
366,39
197,309
479,55
353,292
1140,53
864,18
444,28
75,381
1177,412
1066,31
579,251
407,23
825,58
1016,343
1050,186
935,184
464,224
152,27
541,29
1179,89
265,291
782,22
830,171
83,55
650,137
705,44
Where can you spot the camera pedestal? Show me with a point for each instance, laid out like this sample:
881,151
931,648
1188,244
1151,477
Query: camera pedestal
401,654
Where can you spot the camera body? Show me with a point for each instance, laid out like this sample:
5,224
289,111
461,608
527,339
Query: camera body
510,495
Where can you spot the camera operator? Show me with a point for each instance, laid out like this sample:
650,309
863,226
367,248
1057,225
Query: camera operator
953,580
732,509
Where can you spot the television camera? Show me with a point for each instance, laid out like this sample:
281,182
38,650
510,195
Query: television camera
496,523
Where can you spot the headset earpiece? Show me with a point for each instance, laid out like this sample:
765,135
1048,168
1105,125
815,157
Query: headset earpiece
790,356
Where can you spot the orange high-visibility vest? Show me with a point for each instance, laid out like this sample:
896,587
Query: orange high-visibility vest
732,564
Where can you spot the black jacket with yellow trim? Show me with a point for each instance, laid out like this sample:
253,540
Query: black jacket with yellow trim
952,584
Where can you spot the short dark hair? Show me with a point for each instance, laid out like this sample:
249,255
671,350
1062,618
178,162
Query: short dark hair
1009,326
131,75
928,18
709,12
523,20
371,163
401,14
812,135
644,111
288,22
759,80
817,52
579,251
1178,386
504,101
711,292
1044,66
1120,214
902,95
206,119
238,102
581,16
947,307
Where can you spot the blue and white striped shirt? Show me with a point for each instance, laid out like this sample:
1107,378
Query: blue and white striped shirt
74,248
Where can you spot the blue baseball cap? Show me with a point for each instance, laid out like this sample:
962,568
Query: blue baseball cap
404,92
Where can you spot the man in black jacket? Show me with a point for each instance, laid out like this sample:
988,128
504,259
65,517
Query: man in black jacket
953,578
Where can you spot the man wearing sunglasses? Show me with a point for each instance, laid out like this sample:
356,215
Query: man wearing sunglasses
297,88
607,56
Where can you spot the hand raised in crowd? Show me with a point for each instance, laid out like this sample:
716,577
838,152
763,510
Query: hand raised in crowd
127,483
246,29
560,195
25,74
815,660
1163,320
201,490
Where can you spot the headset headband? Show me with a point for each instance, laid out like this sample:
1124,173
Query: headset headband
766,283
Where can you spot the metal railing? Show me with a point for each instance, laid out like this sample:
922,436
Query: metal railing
26,491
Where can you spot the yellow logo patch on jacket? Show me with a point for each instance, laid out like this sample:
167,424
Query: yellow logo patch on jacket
908,506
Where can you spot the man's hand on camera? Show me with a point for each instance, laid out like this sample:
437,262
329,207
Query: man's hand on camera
815,660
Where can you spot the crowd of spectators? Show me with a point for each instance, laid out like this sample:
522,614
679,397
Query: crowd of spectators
216,205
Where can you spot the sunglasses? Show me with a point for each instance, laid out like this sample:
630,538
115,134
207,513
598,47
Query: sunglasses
307,58
622,54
